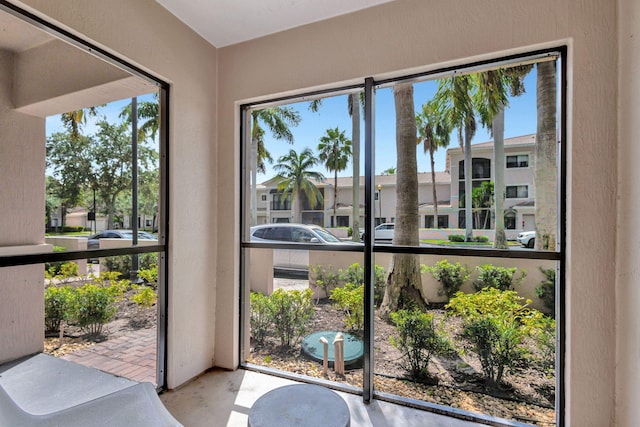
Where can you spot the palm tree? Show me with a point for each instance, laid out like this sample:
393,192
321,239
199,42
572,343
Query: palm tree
73,120
335,152
545,173
434,132
389,171
491,99
404,284
150,112
278,120
296,178
454,100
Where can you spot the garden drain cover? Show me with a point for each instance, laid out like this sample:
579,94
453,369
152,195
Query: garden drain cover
353,348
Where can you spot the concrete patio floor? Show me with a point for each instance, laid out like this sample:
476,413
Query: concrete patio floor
223,399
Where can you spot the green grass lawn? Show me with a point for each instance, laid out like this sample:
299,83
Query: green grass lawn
448,243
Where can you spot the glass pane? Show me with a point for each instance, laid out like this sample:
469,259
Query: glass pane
301,168
296,299
482,350
104,315
490,119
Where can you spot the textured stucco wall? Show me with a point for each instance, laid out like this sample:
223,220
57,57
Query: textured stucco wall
628,233
145,34
413,34
21,213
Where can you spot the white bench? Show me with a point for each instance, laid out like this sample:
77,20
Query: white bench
42,390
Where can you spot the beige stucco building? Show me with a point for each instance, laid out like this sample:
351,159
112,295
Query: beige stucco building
208,84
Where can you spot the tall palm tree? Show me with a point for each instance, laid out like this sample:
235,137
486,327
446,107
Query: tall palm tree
491,99
335,151
404,284
278,120
545,172
454,99
296,179
433,132
149,111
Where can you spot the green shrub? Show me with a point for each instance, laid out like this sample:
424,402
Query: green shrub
323,278
145,297
502,278
51,269
122,264
260,318
418,341
354,274
62,271
149,275
545,338
457,238
93,306
480,239
57,302
350,299
290,313
450,275
546,291
496,324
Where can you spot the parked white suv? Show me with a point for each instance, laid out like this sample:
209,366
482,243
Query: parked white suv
527,238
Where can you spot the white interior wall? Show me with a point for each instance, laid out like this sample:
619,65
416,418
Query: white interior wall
628,233
404,36
146,35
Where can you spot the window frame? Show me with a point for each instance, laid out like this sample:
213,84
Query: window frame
371,221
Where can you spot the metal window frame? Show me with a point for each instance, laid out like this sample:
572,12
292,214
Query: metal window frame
368,393
163,223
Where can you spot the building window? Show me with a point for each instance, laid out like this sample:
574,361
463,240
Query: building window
518,161
517,192
443,221
343,221
510,220
264,197
480,169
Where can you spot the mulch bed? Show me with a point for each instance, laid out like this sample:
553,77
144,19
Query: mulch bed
526,397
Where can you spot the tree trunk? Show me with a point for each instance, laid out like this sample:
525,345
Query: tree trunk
545,172
355,145
335,197
404,284
253,204
500,239
468,187
433,185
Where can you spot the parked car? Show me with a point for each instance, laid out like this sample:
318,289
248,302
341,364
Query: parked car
527,238
293,233
94,240
384,231
293,260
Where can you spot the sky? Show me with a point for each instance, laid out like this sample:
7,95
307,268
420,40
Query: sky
520,119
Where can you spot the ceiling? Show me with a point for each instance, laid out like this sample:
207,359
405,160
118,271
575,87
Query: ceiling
17,36
226,22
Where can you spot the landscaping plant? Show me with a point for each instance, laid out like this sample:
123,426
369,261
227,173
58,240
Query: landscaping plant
57,302
355,274
350,299
450,275
325,279
290,313
546,291
260,319
93,306
496,323
418,340
503,278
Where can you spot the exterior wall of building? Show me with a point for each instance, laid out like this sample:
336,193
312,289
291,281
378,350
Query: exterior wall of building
348,48
22,151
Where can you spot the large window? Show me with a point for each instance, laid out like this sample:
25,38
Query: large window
385,288
84,216
517,191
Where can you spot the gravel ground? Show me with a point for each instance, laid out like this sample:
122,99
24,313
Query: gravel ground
527,397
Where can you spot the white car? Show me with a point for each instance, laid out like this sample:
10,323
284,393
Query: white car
384,231
527,238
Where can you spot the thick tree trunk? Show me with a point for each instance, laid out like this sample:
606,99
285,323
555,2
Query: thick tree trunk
404,284
545,172
500,240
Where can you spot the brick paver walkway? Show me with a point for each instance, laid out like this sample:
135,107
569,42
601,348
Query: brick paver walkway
132,356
